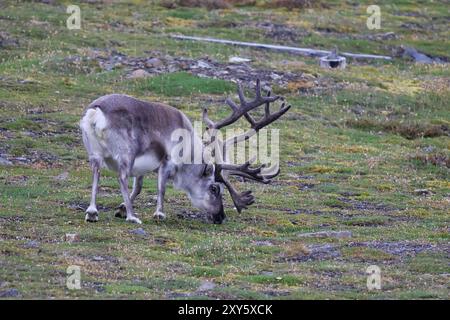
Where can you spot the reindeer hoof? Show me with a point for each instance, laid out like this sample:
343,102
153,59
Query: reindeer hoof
158,215
91,216
121,211
133,219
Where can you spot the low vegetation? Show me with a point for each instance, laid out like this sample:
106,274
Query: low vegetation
364,152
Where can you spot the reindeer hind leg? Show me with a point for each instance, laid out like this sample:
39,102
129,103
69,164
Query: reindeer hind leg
91,211
124,170
121,211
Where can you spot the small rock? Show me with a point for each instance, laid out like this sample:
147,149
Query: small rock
9,293
139,232
31,244
387,36
423,192
264,243
238,60
173,68
327,234
428,149
39,23
62,176
139,73
203,65
4,162
98,258
153,62
72,237
417,56
206,286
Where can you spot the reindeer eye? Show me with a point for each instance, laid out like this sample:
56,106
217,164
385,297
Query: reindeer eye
214,189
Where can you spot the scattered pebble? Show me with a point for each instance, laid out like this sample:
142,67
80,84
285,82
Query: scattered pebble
423,192
4,162
139,73
9,293
98,258
264,243
139,232
428,149
206,286
72,237
153,62
238,60
63,176
419,57
32,244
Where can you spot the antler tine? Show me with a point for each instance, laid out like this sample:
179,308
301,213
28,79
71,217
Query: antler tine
270,117
267,107
209,123
248,172
242,110
241,200
256,173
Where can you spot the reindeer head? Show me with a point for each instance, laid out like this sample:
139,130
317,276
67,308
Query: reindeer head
212,177
198,180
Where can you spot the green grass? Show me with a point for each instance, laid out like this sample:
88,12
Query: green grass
182,84
353,153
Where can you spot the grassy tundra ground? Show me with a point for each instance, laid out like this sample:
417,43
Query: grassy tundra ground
355,148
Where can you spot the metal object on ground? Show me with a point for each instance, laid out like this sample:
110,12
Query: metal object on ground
333,61
302,51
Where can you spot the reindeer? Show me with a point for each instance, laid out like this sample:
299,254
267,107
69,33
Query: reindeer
133,138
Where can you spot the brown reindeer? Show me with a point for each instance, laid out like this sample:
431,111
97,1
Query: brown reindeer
134,137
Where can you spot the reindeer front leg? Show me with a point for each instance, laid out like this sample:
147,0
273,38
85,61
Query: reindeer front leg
163,175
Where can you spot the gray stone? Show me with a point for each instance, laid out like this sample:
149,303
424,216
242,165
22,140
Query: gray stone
327,234
238,60
62,176
423,192
98,258
153,62
263,243
32,244
4,162
203,65
206,286
9,293
139,232
417,56
139,73
72,237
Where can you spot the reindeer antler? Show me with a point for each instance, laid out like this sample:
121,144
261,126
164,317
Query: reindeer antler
244,199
